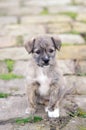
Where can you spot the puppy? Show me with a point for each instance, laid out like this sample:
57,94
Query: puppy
45,84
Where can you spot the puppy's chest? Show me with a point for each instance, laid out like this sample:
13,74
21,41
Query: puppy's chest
44,82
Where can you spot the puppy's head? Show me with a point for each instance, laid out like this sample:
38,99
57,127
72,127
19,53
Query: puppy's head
43,49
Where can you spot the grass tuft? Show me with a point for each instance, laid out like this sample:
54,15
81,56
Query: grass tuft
82,128
10,76
81,74
10,64
78,113
29,119
4,95
44,11
70,14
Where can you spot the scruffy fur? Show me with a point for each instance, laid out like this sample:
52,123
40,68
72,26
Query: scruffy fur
45,83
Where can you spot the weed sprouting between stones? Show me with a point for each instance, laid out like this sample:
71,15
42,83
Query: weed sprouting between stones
10,76
4,95
28,120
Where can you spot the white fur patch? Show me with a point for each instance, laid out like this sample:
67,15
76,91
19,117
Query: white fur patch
27,111
44,83
53,114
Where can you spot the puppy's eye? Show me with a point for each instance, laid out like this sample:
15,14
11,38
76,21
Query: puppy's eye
37,52
51,50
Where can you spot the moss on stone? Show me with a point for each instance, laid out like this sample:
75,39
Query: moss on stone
10,64
10,76
70,14
44,11
4,95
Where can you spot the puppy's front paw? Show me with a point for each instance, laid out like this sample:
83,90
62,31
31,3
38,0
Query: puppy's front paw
30,111
53,114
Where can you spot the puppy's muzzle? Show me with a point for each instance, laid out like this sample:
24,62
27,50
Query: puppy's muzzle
46,60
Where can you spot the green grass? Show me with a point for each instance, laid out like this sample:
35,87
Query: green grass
10,76
29,119
78,113
82,128
74,32
10,64
70,14
4,95
81,74
44,11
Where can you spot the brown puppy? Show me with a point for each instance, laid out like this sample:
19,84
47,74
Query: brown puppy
45,84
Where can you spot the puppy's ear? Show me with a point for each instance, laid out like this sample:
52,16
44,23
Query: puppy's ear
29,46
57,43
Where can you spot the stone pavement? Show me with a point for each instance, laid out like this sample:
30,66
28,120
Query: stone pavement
19,21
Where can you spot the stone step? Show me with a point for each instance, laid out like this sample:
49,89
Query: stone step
46,2
12,107
73,52
67,8
45,19
7,20
13,87
67,52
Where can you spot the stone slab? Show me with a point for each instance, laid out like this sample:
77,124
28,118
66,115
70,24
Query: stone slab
71,39
7,41
82,66
80,2
73,52
78,83
35,126
58,28
45,19
65,8
12,107
8,20
6,127
14,87
79,27
23,30
16,53
81,17
81,101
46,2
9,3
3,68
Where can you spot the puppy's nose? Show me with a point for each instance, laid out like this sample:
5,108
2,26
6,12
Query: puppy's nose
46,60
